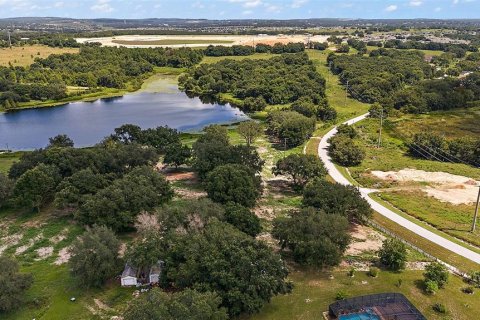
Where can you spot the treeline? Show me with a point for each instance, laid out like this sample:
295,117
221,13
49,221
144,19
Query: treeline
432,146
93,67
49,39
376,77
402,80
458,49
245,50
279,80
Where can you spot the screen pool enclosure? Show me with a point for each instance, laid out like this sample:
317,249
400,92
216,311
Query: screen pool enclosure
384,306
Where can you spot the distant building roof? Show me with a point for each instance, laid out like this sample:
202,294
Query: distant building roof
129,271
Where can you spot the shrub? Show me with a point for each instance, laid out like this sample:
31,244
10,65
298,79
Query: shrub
475,278
440,308
243,219
341,295
373,272
468,290
351,272
431,287
437,273
399,283
393,254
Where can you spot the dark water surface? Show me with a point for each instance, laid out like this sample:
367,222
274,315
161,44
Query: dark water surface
88,122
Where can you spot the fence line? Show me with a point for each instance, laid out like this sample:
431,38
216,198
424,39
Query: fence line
393,235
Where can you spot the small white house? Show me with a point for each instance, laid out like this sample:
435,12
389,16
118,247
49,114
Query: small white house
155,271
129,276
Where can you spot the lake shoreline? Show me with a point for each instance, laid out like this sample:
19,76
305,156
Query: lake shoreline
159,76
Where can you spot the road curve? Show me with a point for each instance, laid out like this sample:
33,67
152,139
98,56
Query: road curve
339,178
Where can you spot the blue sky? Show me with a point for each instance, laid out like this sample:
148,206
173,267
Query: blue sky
242,9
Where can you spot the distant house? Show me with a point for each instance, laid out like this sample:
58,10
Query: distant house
130,274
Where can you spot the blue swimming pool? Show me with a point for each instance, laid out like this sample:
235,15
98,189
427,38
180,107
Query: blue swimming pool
360,316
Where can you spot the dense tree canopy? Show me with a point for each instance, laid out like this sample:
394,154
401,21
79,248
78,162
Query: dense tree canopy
13,284
117,205
290,127
36,186
301,168
278,80
94,66
94,256
186,305
244,272
233,183
315,238
334,198
345,151
213,149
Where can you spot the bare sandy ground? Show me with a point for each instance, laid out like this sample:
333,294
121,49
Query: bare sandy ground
236,40
443,186
364,239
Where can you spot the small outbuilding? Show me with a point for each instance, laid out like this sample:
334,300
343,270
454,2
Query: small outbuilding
155,271
129,276
132,276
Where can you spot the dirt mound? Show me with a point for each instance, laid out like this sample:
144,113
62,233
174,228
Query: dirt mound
443,186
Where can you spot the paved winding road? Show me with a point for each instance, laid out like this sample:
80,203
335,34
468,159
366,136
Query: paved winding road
338,177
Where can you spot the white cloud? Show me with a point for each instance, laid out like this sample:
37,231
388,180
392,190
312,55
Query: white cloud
58,4
455,1
391,8
416,3
298,3
247,3
198,5
273,8
437,9
252,4
102,6
247,12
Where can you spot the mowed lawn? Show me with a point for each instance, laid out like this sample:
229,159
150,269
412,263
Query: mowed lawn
314,291
24,56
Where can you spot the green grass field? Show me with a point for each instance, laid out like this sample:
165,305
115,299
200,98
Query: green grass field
7,159
253,56
346,107
314,291
166,42
393,155
454,220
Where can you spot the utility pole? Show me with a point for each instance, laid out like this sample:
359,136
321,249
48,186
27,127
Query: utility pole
474,224
380,131
9,39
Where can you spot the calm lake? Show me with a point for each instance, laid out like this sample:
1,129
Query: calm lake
88,122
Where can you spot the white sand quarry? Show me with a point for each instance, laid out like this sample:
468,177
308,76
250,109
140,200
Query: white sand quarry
443,186
233,40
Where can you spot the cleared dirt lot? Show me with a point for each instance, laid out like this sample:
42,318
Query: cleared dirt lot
150,41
